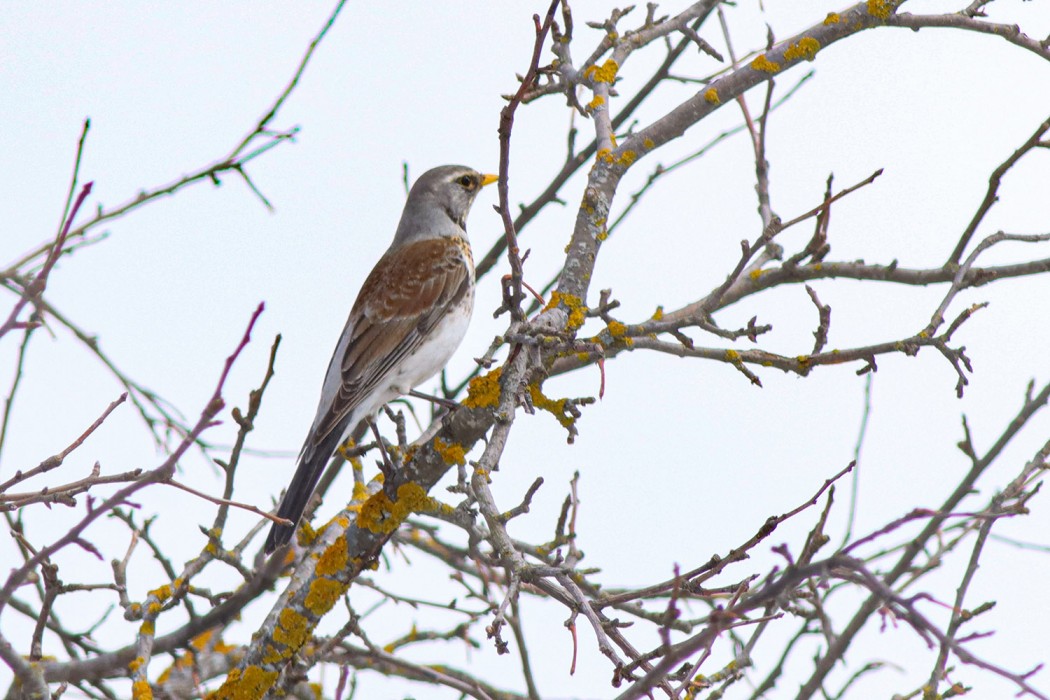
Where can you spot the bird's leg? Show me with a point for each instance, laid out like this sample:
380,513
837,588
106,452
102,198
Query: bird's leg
447,403
387,467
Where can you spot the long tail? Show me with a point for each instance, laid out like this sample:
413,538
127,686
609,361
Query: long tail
307,473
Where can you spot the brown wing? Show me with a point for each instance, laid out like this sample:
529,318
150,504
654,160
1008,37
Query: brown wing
406,294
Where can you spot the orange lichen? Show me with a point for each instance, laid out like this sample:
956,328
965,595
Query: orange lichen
711,95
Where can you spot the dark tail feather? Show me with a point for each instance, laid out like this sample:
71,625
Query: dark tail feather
307,474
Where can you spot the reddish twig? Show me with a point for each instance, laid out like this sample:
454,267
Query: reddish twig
39,283
506,124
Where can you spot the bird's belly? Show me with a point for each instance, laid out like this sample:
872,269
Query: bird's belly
430,357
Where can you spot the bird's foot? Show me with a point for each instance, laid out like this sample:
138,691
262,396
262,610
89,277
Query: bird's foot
387,466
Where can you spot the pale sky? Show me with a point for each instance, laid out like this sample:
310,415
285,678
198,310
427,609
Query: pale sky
683,458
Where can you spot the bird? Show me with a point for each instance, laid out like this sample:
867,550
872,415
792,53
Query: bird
408,319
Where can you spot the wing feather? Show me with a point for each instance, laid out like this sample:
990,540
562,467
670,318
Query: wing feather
403,298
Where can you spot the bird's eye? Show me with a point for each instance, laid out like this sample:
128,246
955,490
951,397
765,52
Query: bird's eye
466,181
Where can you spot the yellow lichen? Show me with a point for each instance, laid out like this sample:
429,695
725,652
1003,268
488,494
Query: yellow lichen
617,329
347,444
556,407
140,690
806,48
763,64
136,664
755,274
803,360
602,235
627,158
201,640
597,102
162,593
605,154
292,629
360,491
333,559
605,74
306,535
323,594
648,143
382,516
880,8
732,355
272,655
483,390
658,315
711,95
250,684
412,498
832,18
577,311
450,453
147,628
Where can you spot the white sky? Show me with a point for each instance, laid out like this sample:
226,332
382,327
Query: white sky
682,459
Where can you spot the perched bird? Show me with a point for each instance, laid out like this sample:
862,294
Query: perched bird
410,316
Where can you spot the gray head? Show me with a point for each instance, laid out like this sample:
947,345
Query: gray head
439,202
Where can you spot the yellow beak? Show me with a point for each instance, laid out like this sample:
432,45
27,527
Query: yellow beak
488,179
